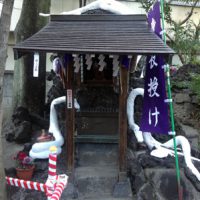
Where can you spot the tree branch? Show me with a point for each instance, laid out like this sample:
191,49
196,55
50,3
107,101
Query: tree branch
178,52
190,14
170,38
197,31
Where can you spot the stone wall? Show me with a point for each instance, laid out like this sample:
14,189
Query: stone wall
7,95
186,104
155,178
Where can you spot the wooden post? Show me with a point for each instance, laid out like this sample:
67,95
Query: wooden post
123,123
70,117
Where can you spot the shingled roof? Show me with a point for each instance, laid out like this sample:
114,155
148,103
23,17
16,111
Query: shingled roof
108,34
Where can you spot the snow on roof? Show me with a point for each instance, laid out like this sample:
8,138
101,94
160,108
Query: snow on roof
108,5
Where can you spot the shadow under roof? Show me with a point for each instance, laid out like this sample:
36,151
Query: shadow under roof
108,34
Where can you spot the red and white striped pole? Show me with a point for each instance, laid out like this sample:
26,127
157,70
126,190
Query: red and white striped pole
52,177
26,184
62,182
52,163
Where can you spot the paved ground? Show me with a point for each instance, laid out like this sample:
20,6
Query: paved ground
9,151
95,174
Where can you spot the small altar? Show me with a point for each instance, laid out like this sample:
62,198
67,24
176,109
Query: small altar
97,54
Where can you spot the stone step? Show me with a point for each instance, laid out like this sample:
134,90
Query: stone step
97,155
71,193
96,180
89,138
96,173
103,198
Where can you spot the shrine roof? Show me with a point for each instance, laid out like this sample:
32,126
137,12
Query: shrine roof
107,34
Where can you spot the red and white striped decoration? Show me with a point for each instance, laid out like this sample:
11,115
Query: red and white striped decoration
26,184
52,177
51,185
52,166
54,185
58,191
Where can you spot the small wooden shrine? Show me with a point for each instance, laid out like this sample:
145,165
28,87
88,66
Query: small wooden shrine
99,51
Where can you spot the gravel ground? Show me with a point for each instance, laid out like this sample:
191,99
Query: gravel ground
40,174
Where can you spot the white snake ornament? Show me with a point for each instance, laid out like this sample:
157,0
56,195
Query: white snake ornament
161,149
41,150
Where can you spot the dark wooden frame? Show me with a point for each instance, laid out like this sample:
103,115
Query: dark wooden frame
123,123
70,119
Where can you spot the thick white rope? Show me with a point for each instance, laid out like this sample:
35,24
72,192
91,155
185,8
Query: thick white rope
162,149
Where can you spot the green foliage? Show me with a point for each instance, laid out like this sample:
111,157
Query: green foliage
146,4
184,36
196,62
195,85
186,42
180,84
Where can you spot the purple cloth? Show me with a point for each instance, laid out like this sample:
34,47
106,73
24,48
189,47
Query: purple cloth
67,59
125,62
154,16
155,117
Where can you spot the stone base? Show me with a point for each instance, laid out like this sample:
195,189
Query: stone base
122,189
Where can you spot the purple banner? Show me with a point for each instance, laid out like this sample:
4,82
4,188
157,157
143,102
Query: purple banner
125,61
155,111
153,18
67,58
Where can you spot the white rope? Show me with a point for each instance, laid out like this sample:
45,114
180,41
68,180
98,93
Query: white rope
162,149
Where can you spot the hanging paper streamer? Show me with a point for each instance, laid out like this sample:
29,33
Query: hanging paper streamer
115,64
101,62
155,111
77,64
36,62
88,58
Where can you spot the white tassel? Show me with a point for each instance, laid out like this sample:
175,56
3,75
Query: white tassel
88,58
76,63
101,62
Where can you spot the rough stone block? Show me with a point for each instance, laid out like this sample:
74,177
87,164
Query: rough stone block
122,189
182,98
